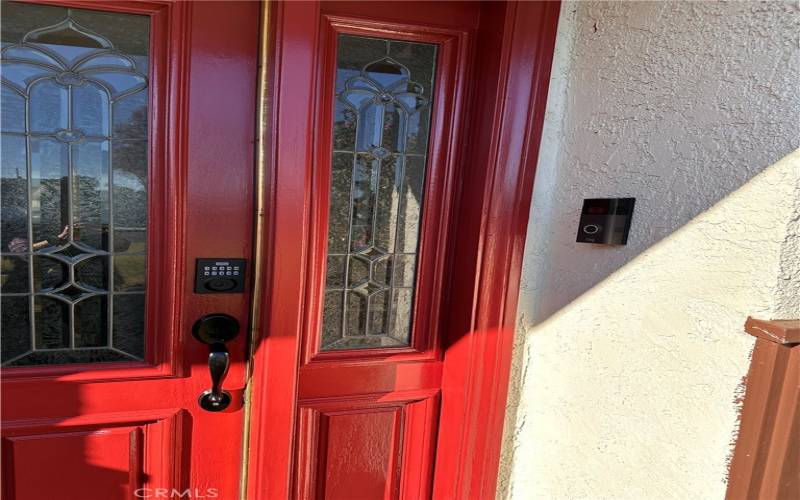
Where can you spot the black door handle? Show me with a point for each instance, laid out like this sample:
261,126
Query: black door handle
215,330
219,360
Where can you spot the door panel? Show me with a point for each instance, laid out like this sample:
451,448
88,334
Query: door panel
358,169
389,96
112,457
367,448
146,165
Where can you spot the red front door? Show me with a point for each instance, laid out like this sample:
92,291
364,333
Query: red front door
128,132
380,184
368,99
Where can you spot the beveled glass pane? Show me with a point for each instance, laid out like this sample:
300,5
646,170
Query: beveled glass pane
90,109
387,200
129,273
339,219
416,56
356,314
19,76
409,215
15,324
49,106
12,110
365,177
49,191
118,84
335,271
129,324
90,193
332,317
344,127
382,271
49,274
130,194
101,60
74,183
380,135
91,317
358,272
92,274
14,275
402,303
130,116
14,195
404,269
378,307
129,239
52,319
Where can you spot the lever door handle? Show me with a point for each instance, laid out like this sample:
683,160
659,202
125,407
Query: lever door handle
215,330
219,360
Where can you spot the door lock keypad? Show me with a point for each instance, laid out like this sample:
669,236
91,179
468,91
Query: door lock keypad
218,275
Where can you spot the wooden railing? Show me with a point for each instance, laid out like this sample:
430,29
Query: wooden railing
766,460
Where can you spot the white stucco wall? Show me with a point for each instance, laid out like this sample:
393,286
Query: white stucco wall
629,360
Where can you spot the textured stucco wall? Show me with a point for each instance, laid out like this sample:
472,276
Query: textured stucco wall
628,360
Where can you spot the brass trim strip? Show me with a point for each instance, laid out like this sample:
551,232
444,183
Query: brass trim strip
260,233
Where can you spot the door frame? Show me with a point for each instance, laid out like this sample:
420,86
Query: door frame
493,200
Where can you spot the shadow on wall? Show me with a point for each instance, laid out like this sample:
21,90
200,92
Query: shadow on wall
674,103
630,391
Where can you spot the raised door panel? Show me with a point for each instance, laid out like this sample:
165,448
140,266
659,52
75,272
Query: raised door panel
366,448
92,457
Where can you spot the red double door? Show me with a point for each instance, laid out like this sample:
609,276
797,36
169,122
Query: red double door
226,256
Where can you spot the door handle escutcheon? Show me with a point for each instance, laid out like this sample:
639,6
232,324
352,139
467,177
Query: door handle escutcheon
215,330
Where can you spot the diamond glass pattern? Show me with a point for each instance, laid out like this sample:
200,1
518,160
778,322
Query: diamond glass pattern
74,130
380,141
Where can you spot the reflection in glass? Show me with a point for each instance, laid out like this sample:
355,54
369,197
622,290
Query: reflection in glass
380,142
74,178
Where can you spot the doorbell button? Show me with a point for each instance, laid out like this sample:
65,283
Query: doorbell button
592,228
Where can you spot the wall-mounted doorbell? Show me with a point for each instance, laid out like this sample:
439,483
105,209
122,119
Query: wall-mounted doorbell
606,221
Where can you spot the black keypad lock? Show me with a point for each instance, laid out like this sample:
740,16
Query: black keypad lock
219,275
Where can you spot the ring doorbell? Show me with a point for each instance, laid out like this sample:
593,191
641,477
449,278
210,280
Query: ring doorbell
606,221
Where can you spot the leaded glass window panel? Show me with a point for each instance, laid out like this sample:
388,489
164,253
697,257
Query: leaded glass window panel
74,176
380,145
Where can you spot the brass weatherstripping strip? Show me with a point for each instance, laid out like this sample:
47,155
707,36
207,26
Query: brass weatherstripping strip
259,237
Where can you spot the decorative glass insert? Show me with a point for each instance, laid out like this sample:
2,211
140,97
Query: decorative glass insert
74,177
380,145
